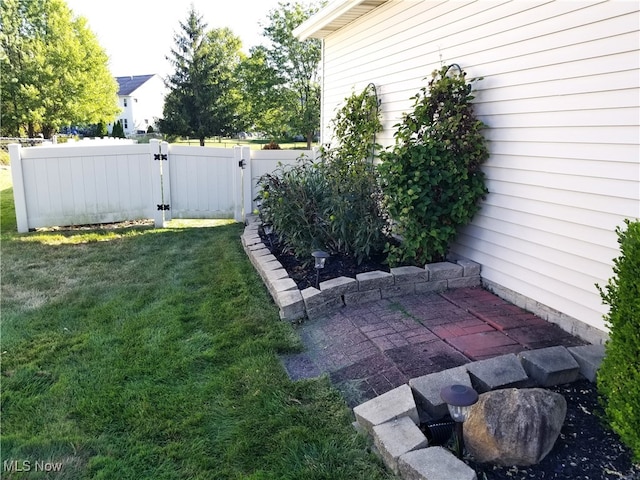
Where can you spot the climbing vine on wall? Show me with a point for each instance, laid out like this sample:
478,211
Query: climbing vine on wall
431,177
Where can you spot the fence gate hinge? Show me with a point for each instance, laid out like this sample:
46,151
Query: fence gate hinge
242,163
159,156
164,206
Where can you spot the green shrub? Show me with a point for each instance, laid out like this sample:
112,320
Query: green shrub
292,200
101,129
618,378
431,178
334,204
117,131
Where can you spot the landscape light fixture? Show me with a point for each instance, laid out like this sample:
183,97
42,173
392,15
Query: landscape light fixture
459,399
320,259
268,230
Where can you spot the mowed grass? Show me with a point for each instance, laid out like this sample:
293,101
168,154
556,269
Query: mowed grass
253,144
153,354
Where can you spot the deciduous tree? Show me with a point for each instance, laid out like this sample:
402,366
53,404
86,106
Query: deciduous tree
54,72
296,65
263,93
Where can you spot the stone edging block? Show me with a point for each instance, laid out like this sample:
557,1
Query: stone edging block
397,437
434,463
366,287
381,417
374,280
389,406
550,366
427,389
505,371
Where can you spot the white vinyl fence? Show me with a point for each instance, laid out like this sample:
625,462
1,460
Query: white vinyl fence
89,183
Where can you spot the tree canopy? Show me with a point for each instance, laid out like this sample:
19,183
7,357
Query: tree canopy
54,71
286,94
203,99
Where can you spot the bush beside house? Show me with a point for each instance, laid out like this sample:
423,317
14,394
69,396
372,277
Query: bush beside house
619,375
431,177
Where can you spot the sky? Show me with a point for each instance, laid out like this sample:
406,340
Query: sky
138,34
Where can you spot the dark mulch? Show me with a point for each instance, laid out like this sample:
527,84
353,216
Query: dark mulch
303,272
585,450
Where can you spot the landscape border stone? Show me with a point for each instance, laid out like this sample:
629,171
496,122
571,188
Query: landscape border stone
434,463
366,287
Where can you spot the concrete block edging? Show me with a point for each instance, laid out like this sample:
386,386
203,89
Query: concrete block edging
409,455
338,292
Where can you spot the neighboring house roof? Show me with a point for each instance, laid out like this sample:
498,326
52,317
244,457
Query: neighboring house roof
127,85
334,16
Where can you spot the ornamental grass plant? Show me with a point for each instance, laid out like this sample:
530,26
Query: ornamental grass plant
333,204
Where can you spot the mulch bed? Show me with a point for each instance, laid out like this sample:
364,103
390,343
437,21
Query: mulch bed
303,272
585,450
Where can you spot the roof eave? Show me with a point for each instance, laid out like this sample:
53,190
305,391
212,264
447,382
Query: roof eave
334,16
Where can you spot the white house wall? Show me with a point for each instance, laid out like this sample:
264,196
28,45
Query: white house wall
142,107
147,103
561,98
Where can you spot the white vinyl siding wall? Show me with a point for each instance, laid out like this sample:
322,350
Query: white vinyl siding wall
561,97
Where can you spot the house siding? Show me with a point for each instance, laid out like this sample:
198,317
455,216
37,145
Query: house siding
560,95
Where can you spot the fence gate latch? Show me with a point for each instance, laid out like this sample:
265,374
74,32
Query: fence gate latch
242,163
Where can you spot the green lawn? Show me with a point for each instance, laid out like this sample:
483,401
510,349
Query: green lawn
253,144
153,354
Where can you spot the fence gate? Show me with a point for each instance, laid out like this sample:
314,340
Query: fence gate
202,182
114,181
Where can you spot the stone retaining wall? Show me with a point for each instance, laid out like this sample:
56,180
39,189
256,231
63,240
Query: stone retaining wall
333,294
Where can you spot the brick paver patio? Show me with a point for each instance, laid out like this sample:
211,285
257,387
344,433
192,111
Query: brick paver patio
370,349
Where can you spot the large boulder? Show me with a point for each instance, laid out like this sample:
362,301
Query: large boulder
514,426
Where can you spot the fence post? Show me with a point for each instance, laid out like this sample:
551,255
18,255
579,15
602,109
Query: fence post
17,178
166,178
247,184
157,202
238,180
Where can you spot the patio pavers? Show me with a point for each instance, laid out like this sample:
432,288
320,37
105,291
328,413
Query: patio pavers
371,348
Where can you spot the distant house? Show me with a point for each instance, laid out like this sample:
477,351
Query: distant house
141,98
561,98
